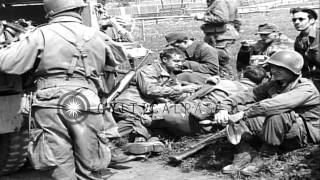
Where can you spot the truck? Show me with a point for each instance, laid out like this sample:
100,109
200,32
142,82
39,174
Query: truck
14,135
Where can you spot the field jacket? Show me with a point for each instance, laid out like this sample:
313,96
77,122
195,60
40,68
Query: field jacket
308,47
271,98
156,85
63,55
203,58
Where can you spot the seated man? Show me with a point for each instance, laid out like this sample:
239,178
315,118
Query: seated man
272,40
183,118
202,59
290,105
156,83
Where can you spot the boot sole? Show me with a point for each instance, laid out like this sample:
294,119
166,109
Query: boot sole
142,148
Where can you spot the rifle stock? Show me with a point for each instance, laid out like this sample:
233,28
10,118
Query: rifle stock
198,146
122,84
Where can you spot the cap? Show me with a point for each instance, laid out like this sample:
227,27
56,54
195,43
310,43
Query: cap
267,28
174,37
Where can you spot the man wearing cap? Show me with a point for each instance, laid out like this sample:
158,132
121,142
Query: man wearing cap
64,59
290,105
307,42
202,59
272,40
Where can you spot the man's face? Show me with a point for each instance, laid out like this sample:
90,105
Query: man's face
174,63
280,73
268,37
301,21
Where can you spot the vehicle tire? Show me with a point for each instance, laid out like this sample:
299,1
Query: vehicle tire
13,151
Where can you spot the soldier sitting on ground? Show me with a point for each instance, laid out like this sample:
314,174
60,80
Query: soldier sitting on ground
156,83
202,59
272,40
290,105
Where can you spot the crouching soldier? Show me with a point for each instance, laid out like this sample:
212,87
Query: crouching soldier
290,105
156,83
65,59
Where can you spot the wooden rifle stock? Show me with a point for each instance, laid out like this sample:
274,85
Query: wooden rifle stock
198,146
122,84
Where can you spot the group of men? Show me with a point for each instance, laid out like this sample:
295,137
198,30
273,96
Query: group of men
65,60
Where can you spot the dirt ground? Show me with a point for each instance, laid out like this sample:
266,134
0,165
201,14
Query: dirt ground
135,170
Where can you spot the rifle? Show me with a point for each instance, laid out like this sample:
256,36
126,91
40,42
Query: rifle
122,84
230,131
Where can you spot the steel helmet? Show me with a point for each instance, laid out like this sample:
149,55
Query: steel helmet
288,59
53,7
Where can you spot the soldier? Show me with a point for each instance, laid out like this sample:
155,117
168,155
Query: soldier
307,42
290,106
65,59
202,59
156,83
272,40
183,118
221,30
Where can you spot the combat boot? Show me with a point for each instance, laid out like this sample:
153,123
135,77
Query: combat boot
118,156
258,162
152,145
246,152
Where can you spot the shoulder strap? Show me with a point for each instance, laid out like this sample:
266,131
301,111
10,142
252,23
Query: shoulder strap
78,43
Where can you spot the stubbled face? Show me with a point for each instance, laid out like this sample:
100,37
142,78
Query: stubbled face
301,21
174,63
281,74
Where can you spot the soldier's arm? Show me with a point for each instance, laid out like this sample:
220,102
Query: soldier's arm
115,52
20,56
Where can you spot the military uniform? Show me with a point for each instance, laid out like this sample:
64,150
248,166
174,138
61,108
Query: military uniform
182,118
66,57
308,46
291,112
202,59
154,85
260,47
220,32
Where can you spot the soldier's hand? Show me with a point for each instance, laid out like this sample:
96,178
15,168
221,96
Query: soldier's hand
222,116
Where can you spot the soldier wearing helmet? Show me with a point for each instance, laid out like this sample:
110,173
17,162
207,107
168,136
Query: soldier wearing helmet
65,59
283,113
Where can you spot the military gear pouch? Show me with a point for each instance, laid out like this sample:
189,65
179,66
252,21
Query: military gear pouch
39,153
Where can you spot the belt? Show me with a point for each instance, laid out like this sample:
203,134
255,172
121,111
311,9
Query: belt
58,81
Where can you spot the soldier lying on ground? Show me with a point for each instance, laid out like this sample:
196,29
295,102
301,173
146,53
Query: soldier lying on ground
183,118
290,105
272,40
202,59
156,83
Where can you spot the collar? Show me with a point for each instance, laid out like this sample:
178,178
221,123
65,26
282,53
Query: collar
312,33
160,69
66,19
